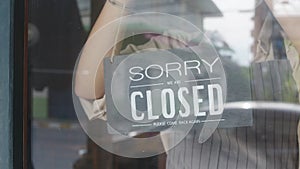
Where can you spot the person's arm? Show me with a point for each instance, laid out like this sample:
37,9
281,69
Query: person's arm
89,83
290,25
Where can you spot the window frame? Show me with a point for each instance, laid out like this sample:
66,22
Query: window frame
13,85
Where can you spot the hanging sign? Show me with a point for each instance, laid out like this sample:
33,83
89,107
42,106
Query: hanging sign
158,90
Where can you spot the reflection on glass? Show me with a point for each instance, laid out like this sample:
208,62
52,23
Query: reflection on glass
56,33
257,41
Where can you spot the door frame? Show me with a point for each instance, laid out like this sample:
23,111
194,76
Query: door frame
13,85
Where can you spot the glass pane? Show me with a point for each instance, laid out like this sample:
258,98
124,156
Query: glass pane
57,30
175,84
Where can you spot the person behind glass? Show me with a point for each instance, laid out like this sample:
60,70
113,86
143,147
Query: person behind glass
227,148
